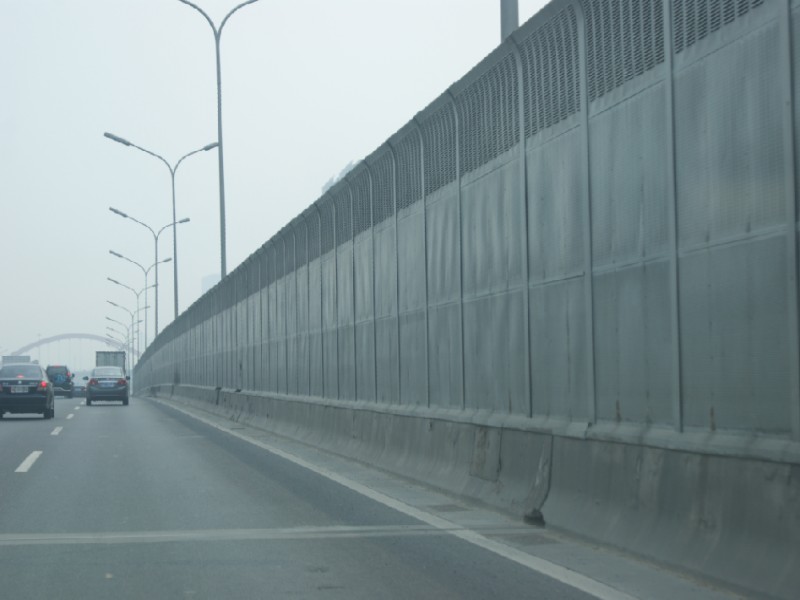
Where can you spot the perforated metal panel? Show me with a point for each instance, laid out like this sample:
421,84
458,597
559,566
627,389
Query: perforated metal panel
344,213
439,135
313,225
551,73
362,209
694,20
489,115
382,166
280,263
624,38
409,169
326,211
301,247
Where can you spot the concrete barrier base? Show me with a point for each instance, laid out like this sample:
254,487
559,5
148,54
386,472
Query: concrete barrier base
733,519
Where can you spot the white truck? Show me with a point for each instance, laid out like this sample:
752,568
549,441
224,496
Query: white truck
15,359
110,358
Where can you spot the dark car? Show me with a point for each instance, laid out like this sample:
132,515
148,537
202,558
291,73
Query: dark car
107,383
25,388
61,378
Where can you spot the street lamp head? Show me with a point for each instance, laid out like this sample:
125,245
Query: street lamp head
117,139
117,254
113,303
186,220
166,260
117,212
113,280
210,146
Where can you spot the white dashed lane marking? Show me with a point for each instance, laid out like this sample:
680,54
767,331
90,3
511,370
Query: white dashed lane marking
26,464
56,431
70,415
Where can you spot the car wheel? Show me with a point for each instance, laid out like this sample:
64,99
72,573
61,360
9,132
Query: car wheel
125,402
88,402
71,395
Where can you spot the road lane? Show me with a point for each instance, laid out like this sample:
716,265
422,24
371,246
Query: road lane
179,509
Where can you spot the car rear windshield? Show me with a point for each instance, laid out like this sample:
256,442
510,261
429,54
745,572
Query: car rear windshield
108,372
57,370
20,371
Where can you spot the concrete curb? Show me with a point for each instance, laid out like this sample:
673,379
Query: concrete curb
732,519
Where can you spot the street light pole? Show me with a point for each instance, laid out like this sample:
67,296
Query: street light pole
130,354
145,271
172,170
156,235
137,294
217,35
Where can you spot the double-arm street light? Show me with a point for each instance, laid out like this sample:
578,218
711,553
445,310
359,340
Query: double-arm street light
217,35
130,354
127,335
137,294
156,235
172,170
145,272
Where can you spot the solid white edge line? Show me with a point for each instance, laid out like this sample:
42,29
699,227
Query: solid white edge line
28,462
56,431
545,567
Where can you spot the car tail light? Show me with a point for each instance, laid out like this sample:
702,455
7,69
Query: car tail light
43,385
121,381
93,381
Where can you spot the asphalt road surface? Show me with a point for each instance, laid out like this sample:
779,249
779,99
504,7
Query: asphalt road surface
146,501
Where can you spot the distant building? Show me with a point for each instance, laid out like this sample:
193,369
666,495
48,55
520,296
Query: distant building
333,180
209,281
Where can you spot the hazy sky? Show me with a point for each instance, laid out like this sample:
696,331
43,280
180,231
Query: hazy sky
308,86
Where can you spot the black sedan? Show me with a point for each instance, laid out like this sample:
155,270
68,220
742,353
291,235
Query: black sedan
107,383
25,388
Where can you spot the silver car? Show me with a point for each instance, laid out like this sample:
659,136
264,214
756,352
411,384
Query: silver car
107,383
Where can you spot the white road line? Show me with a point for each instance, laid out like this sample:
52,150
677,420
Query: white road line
28,462
567,576
227,535
56,431
70,415
77,408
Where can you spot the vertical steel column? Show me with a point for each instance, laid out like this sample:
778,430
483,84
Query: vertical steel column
424,200
270,374
263,271
285,317
308,302
523,190
509,18
588,284
353,286
321,301
374,305
457,119
396,274
672,197
336,290
787,93
296,313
